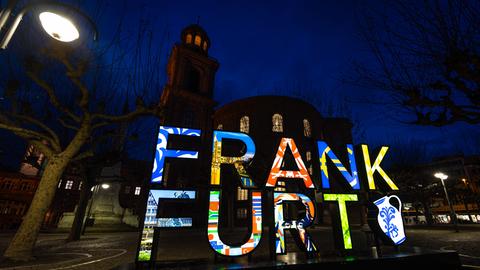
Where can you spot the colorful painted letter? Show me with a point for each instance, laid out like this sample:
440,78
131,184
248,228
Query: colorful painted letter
151,221
218,159
213,219
281,224
324,151
341,199
162,152
276,171
376,167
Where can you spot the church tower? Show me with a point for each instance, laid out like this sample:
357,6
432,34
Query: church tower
187,100
188,95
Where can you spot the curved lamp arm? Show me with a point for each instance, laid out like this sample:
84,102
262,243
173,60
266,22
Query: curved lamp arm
8,36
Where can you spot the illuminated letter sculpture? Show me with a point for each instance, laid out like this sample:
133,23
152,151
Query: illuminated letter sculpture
276,171
218,159
213,219
281,224
151,221
376,167
324,151
162,152
341,199
214,205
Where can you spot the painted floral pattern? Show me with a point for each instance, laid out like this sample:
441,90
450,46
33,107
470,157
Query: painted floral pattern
388,215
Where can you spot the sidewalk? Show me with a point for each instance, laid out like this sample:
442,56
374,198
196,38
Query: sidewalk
93,251
444,226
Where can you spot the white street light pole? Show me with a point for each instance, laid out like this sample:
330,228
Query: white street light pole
57,26
453,215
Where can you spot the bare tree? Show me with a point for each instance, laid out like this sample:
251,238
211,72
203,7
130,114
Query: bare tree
427,58
84,94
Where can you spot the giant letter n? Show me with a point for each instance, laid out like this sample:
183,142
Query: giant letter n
324,151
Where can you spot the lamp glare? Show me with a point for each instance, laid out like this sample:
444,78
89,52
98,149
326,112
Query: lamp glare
58,27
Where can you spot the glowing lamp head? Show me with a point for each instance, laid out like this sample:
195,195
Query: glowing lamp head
105,186
58,27
441,175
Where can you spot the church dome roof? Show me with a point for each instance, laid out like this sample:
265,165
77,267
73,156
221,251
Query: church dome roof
194,36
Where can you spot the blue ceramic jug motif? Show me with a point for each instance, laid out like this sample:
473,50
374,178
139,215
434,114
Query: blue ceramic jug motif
390,219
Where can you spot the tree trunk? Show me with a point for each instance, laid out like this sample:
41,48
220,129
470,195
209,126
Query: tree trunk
22,244
79,219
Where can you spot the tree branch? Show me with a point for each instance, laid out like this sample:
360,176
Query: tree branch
106,119
74,74
29,135
36,122
63,123
83,155
52,96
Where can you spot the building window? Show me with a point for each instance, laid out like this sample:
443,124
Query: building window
205,44
80,186
307,129
198,41
69,184
137,190
309,155
277,122
241,213
189,38
220,127
310,170
60,183
242,194
244,124
127,189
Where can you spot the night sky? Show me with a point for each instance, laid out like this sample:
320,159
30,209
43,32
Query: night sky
268,47
298,48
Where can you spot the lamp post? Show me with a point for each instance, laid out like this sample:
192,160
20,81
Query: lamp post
56,25
453,216
95,189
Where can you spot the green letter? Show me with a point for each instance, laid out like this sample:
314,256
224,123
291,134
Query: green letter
341,199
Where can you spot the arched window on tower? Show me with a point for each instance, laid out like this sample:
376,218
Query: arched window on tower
307,129
198,41
205,45
244,124
277,123
189,38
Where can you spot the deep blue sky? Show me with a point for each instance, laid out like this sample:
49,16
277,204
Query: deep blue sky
264,47
267,47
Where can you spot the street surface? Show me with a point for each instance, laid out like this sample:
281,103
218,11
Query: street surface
109,250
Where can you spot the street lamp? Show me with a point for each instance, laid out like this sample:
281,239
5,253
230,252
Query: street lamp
56,25
442,177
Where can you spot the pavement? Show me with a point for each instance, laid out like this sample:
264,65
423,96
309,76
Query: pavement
94,251
113,250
